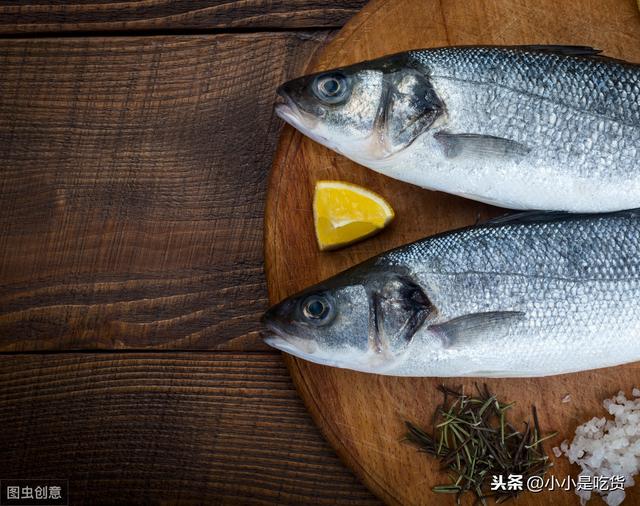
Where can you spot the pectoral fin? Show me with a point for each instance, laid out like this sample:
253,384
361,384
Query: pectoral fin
465,329
479,146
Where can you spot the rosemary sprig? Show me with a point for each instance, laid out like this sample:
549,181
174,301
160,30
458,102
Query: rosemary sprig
475,442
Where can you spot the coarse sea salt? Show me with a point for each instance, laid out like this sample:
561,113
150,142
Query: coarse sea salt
607,448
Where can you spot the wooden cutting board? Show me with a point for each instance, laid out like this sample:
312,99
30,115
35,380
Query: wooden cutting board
362,414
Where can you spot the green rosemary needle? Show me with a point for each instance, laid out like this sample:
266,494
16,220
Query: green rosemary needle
475,442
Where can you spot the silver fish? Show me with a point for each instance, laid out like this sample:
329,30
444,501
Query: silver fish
523,127
533,294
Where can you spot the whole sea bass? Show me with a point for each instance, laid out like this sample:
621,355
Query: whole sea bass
533,294
523,127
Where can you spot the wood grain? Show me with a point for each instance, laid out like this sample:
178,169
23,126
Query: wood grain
166,428
31,16
133,181
362,414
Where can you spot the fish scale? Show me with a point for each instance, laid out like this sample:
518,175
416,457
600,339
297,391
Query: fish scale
588,84
586,146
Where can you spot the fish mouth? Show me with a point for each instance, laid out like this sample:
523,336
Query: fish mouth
278,338
280,343
287,110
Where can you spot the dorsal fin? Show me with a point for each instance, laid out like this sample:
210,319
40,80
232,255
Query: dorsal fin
547,216
526,217
563,50
581,51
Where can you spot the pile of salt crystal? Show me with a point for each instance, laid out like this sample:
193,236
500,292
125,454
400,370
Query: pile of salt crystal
608,448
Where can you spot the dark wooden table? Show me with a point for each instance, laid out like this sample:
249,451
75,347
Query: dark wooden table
135,144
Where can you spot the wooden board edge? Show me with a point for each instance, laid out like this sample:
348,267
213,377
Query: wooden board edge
329,433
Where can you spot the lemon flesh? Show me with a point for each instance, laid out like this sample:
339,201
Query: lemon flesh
345,213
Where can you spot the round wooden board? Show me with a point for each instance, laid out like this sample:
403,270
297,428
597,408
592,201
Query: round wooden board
362,414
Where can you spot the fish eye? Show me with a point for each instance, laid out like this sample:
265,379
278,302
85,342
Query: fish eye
317,309
331,88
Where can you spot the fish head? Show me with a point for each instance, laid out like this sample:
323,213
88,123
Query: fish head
367,112
357,320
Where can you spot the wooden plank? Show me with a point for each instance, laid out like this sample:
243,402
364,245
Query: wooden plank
133,180
20,16
167,428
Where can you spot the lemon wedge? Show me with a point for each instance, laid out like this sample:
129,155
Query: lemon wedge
344,213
